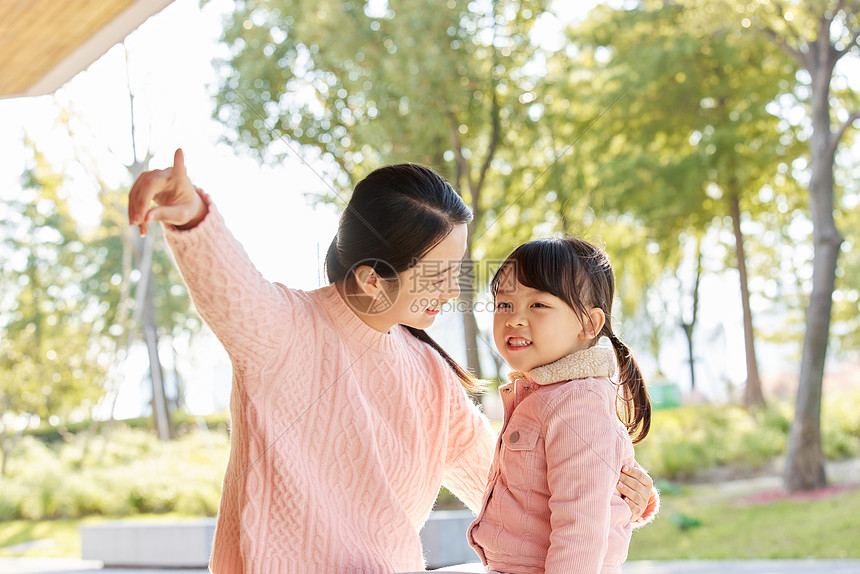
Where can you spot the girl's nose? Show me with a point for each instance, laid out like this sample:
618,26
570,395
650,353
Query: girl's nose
515,319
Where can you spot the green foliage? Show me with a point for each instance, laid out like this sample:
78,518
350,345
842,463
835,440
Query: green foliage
129,472
365,86
840,424
690,442
693,125
683,522
184,422
66,302
49,364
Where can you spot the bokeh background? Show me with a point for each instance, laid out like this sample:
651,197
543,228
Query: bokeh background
710,146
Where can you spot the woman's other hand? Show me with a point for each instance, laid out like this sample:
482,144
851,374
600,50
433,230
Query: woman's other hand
635,486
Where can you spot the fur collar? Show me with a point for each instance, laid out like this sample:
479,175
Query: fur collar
596,361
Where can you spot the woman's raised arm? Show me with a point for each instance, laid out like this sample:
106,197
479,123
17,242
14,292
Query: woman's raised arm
253,318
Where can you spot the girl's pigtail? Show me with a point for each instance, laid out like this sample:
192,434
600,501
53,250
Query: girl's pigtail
637,403
469,382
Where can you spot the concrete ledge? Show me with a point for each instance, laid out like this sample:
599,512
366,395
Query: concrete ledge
188,544
185,544
444,538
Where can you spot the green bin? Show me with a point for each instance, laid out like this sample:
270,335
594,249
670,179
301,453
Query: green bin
664,395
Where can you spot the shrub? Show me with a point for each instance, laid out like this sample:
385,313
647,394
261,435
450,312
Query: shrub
687,442
131,472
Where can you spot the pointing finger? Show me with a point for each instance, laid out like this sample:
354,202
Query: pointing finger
179,165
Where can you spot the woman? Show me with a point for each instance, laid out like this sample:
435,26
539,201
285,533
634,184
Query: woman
346,417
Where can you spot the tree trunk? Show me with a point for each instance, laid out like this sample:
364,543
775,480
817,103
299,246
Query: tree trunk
145,298
753,397
7,445
467,297
688,331
149,326
804,468
689,326
5,449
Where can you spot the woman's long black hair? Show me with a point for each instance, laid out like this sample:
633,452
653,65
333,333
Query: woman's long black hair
395,216
580,274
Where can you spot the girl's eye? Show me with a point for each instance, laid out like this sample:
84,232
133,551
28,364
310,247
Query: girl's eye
538,305
503,306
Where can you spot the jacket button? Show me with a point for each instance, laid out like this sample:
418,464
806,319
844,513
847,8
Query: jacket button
515,436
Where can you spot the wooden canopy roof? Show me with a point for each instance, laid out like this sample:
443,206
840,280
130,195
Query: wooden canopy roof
44,43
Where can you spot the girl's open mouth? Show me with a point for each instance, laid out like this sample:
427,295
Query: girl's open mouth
517,343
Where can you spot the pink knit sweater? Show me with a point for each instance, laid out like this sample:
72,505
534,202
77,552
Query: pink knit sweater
341,435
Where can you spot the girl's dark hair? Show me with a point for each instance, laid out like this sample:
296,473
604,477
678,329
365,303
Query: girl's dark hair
395,216
580,274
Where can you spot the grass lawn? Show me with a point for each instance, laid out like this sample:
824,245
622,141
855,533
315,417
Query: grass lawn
730,528
58,538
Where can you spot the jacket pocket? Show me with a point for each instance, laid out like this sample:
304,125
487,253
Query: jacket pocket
520,454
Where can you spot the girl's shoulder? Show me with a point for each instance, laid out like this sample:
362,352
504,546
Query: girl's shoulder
589,394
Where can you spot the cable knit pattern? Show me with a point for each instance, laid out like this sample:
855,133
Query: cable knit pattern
551,505
341,436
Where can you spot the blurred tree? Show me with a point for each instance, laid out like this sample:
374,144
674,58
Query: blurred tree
693,140
134,279
142,296
816,34
49,364
371,83
163,310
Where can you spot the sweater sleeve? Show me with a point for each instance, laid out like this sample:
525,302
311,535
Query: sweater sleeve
469,450
251,317
583,454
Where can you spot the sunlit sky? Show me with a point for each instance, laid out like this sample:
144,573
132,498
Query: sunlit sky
170,72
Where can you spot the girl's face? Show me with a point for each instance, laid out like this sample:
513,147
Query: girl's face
532,328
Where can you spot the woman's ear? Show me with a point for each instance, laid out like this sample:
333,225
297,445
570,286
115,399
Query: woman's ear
593,324
367,281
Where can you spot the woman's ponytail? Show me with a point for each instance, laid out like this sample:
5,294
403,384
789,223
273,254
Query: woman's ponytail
334,269
637,404
467,379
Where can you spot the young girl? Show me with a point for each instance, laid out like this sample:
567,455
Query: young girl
551,504
346,417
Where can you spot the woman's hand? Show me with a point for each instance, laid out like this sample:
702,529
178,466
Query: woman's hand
177,200
635,487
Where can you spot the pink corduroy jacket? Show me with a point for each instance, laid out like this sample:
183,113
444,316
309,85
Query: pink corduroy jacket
551,504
